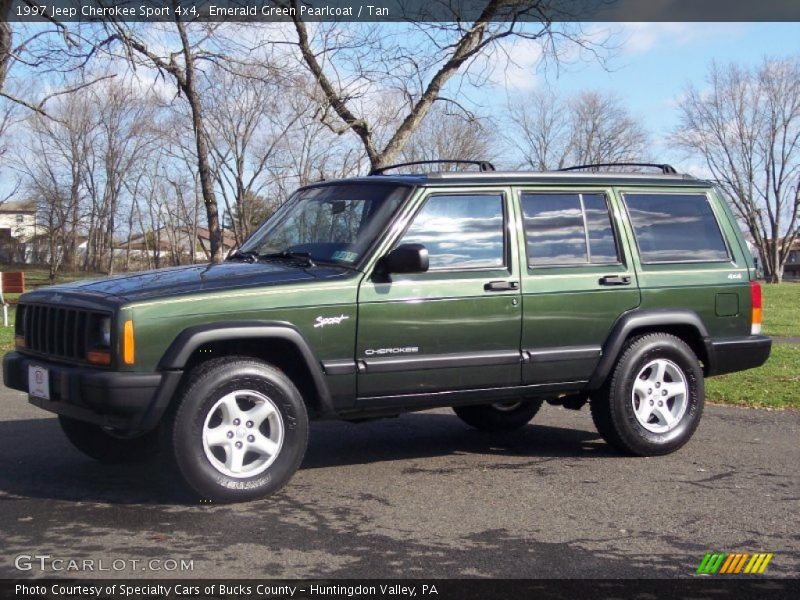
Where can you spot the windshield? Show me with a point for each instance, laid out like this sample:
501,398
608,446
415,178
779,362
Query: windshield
329,223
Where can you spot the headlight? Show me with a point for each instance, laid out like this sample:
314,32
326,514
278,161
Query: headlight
105,331
98,351
19,327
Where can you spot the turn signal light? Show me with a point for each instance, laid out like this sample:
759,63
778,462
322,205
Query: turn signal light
755,298
99,357
128,350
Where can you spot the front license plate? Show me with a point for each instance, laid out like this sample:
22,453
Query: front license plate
38,382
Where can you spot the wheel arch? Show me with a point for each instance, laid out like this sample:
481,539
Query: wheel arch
684,324
275,342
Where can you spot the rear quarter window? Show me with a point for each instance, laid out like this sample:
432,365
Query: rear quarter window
675,228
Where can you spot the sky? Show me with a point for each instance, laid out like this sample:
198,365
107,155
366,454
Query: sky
652,66
648,70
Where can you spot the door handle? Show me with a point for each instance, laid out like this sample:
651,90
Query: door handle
615,280
501,286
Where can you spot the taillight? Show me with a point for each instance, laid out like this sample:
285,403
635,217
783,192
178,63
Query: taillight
755,300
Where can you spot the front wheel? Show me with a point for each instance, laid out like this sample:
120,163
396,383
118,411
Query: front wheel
654,399
500,416
240,431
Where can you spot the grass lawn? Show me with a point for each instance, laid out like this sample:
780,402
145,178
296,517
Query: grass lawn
775,385
7,333
781,309
38,277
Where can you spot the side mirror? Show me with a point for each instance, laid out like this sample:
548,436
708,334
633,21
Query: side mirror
406,258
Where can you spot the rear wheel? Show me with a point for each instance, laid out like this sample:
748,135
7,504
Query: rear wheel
500,416
240,430
104,446
653,401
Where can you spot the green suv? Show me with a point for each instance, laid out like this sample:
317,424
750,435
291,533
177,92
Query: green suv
490,292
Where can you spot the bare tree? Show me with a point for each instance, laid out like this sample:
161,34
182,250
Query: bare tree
446,135
125,132
6,40
309,151
551,133
605,131
53,163
181,65
745,125
56,51
247,129
84,151
348,64
540,131
8,118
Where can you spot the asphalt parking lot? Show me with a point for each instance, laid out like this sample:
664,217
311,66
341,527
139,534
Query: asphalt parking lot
420,496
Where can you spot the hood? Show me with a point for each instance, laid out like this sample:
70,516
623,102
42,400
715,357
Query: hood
192,279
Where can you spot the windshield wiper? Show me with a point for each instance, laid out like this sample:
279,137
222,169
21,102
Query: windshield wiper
247,256
304,257
338,265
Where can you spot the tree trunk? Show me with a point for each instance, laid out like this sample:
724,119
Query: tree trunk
5,40
206,182
201,141
776,268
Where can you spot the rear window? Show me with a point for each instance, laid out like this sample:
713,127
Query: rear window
675,228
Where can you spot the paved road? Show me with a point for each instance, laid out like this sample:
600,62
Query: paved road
423,496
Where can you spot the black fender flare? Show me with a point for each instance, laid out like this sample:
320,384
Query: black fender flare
192,338
639,319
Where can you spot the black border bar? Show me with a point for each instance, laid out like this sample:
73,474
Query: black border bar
697,588
407,10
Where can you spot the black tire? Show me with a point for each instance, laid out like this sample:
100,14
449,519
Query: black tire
202,464
614,407
499,416
103,446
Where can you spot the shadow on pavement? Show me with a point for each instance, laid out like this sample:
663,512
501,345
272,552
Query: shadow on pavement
39,462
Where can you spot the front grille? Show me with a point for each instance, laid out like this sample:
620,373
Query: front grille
57,332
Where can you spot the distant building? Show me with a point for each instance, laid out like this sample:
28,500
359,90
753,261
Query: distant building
174,245
18,220
17,229
792,268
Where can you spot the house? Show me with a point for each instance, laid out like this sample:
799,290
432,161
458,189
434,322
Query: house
792,268
174,246
17,229
18,220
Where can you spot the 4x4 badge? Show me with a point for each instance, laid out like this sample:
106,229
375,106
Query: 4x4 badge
322,321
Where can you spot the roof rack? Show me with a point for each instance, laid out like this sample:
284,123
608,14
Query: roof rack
483,165
665,168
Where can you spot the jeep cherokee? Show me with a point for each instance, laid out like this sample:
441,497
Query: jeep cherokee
488,292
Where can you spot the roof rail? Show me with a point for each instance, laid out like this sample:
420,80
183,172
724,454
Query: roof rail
483,165
665,168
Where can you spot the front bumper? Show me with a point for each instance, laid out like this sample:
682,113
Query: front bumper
130,403
737,354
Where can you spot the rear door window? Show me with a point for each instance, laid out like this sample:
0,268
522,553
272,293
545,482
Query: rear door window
675,228
563,229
